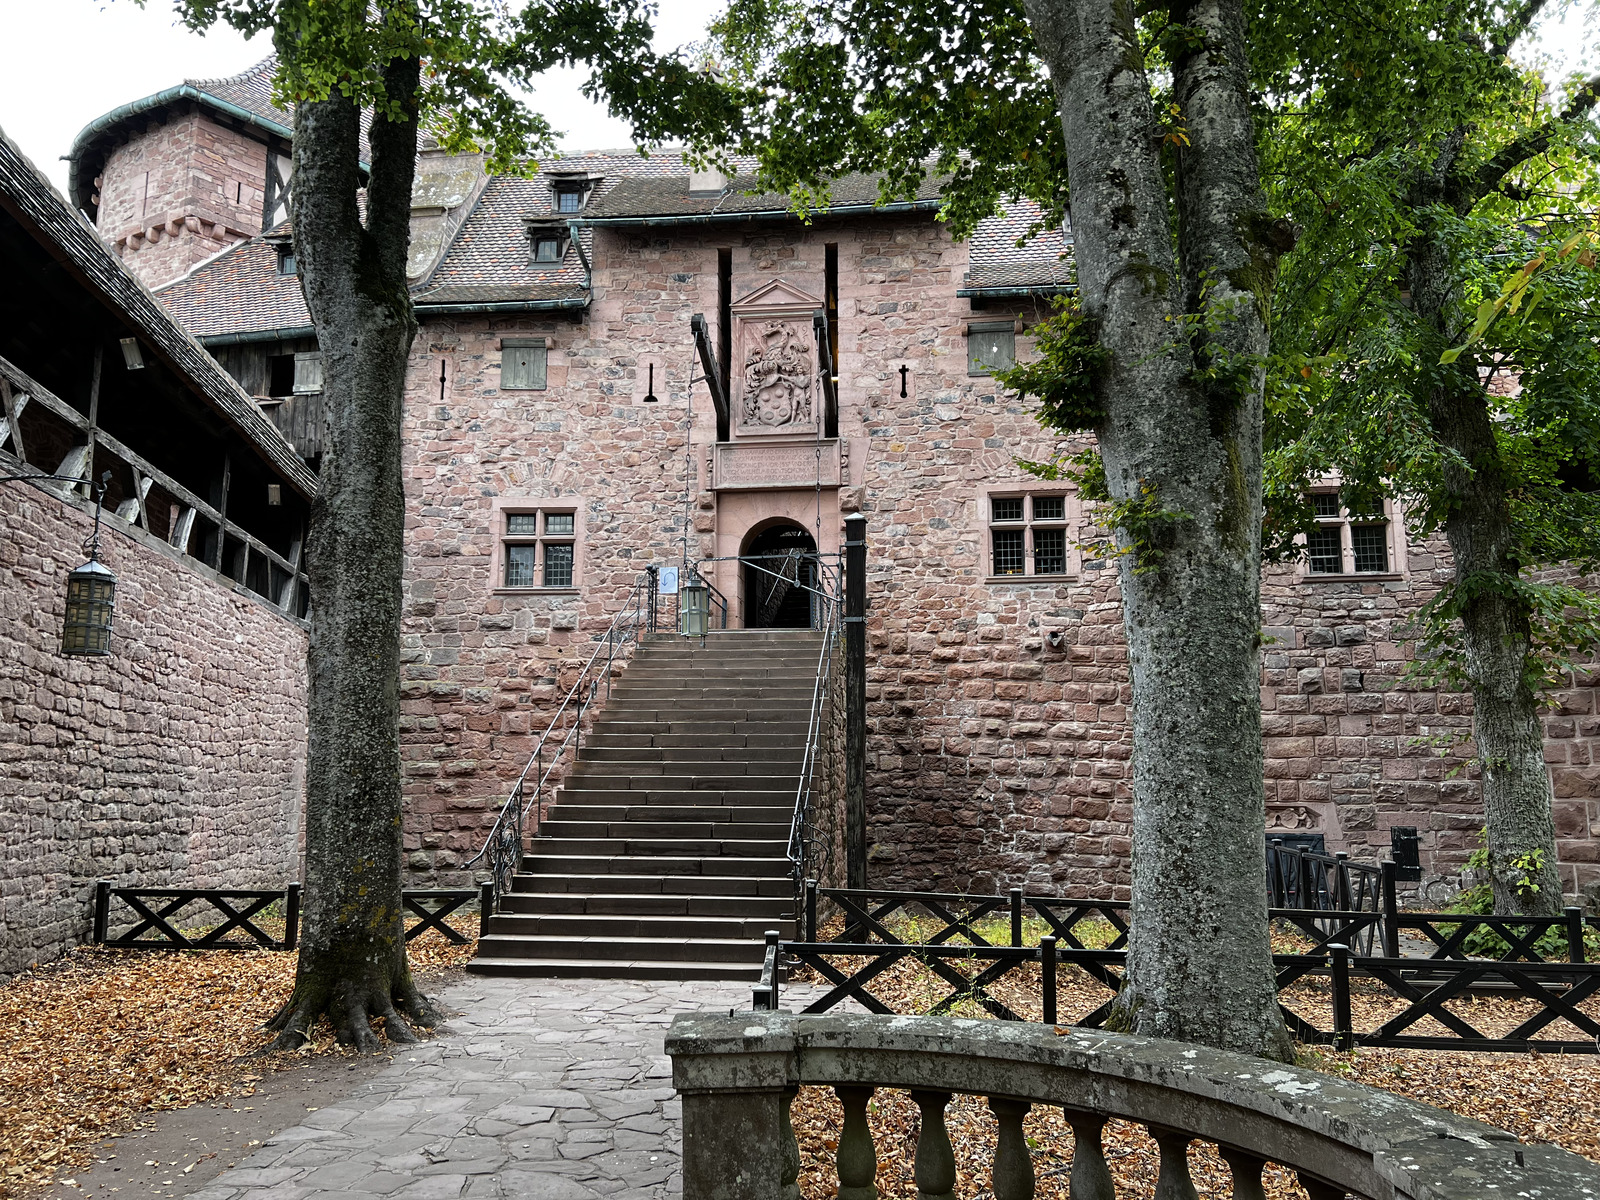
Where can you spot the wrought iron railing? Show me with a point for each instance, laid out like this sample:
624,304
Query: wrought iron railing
807,834
503,848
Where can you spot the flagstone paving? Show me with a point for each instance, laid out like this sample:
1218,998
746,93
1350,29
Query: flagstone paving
539,1090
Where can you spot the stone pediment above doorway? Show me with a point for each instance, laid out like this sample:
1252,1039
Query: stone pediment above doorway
775,386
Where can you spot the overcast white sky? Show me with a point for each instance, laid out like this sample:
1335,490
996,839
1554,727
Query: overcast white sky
65,62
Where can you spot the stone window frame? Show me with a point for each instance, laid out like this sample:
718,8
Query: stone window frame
538,366
1342,523
540,508
1028,491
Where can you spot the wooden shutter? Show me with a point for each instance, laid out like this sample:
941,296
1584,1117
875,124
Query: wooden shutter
308,372
522,364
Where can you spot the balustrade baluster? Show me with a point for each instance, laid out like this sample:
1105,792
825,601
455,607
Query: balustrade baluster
1091,1177
936,1160
1013,1165
1173,1183
789,1178
857,1159
1246,1169
1317,1190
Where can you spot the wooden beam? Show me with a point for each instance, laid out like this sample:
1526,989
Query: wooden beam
94,415
182,528
286,593
9,427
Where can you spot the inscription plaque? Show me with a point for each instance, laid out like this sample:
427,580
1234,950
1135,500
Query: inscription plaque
768,464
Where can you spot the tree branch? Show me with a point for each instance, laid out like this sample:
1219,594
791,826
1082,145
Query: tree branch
394,143
1515,28
1468,191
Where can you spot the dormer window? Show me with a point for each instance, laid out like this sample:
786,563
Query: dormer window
287,263
570,193
548,243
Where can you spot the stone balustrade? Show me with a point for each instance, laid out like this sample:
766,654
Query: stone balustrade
737,1075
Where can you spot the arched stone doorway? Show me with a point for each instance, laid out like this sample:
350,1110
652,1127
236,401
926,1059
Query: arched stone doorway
783,602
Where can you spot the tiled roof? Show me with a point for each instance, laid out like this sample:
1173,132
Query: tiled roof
489,262
634,199
237,291
996,261
250,90
37,204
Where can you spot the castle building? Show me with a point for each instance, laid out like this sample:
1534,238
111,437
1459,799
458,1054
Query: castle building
561,437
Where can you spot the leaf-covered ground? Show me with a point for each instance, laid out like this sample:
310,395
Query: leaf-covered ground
1548,1098
97,1041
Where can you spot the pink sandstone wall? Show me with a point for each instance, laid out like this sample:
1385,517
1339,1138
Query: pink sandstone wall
177,761
995,758
179,193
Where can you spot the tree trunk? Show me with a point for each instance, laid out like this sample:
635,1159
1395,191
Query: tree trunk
1180,437
352,952
1495,621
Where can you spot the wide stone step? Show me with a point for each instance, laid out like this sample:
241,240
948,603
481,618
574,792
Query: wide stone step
677,794
753,672
726,693
670,856
768,908
648,773
698,711
590,968
646,882
739,818
607,736
721,831
610,926
786,754
608,724
602,946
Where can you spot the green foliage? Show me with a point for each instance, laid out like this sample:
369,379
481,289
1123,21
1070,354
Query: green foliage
1065,378
476,55
1365,109
951,87
1478,900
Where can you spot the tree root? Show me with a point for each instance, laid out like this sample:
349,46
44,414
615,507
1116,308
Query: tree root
352,1007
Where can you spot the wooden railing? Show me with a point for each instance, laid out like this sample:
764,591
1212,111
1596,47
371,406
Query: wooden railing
287,583
738,1075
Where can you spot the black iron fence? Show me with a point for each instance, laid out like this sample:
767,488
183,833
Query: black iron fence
232,919
1406,1000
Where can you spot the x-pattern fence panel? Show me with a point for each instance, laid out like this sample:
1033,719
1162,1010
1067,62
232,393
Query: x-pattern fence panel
166,918
1406,999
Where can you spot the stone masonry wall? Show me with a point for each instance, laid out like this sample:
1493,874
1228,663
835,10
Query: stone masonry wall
998,743
177,761
178,193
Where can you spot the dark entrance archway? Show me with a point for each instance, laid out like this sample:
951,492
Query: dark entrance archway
788,552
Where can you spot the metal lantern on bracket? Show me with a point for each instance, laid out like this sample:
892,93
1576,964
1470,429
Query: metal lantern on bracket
91,597
695,607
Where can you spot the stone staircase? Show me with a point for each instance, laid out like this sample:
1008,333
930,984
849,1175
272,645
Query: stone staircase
665,854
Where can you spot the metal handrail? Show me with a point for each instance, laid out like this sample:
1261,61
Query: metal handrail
805,785
504,845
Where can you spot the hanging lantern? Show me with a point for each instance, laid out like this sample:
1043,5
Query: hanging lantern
695,613
91,596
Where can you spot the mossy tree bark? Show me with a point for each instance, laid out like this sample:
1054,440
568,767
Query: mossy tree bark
1180,438
352,963
1496,623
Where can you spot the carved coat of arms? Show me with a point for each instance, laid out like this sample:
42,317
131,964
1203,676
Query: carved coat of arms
777,377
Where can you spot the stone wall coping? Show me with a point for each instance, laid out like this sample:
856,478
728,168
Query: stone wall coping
1371,1142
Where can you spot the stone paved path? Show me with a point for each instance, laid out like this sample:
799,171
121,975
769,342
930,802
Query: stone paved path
540,1090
